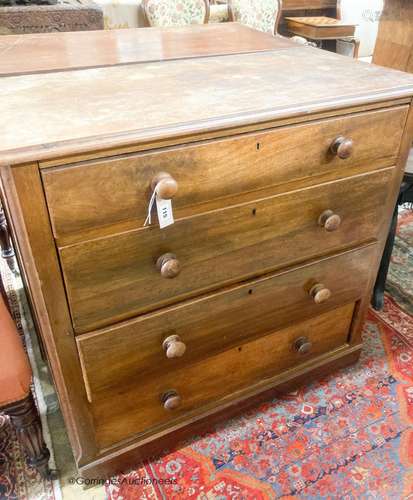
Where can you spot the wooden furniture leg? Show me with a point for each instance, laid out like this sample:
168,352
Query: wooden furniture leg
7,251
356,50
405,196
25,418
378,293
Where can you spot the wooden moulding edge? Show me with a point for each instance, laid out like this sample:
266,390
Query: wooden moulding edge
183,133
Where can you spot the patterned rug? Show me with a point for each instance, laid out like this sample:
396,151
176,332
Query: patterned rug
400,278
348,436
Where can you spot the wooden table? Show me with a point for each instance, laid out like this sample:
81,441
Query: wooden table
90,49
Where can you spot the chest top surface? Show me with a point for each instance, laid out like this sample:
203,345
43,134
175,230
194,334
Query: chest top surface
51,114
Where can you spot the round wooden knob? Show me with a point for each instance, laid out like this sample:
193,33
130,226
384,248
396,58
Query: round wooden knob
320,293
164,185
303,345
168,265
171,400
342,147
174,347
329,220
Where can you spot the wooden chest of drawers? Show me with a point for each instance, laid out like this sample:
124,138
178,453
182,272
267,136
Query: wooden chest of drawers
283,168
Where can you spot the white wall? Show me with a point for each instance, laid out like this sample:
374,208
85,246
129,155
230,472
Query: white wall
365,13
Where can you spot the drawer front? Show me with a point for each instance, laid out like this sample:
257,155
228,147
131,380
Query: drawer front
158,401
113,278
96,194
169,339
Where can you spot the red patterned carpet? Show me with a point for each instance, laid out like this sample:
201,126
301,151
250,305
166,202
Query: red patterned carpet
348,436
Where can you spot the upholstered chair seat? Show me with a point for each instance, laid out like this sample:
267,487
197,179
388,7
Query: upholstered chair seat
15,371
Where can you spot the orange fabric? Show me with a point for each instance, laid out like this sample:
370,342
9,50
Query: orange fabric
15,371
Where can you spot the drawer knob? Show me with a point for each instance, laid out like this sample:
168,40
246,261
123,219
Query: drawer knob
320,293
174,347
303,345
171,400
342,147
168,265
165,185
329,221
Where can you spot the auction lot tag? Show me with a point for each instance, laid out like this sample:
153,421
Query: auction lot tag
165,214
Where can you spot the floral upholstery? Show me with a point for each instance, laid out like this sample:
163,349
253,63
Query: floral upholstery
118,14
218,13
258,14
176,12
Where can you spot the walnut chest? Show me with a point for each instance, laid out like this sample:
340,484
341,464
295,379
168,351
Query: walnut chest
282,168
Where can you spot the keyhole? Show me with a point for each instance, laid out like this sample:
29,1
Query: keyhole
258,146
254,211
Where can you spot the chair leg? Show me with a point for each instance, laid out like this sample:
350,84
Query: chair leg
7,251
378,293
25,418
356,50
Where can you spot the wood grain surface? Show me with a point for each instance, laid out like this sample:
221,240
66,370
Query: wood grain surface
45,52
394,44
166,439
112,278
150,101
138,405
264,279
309,4
215,170
114,356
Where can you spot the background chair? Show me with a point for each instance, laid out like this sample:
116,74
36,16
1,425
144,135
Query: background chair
6,247
164,13
263,15
16,399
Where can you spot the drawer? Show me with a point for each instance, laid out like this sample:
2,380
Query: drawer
116,277
95,194
174,337
144,405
